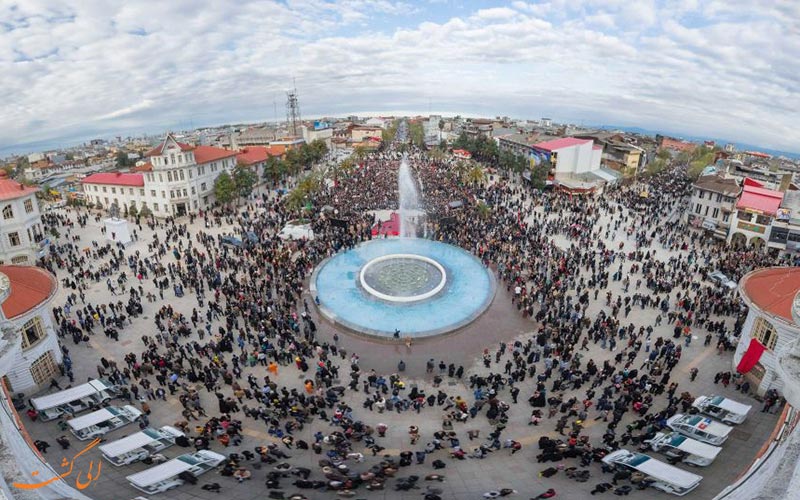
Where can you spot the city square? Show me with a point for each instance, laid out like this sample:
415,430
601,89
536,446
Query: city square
319,361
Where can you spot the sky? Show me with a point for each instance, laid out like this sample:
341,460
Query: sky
73,70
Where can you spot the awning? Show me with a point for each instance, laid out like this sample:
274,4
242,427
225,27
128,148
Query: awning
751,356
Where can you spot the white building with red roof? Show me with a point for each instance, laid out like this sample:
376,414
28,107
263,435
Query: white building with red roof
177,179
21,232
29,352
755,211
575,163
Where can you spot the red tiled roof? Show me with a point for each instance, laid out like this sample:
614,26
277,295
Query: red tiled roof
147,167
11,189
760,199
565,142
205,154
773,289
30,286
115,179
253,154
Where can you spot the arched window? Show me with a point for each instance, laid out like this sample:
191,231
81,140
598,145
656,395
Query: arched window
32,332
8,212
764,332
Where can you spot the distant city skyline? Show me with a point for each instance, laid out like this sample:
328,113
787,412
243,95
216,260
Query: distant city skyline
76,70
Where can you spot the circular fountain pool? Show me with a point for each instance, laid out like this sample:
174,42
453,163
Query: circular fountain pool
419,287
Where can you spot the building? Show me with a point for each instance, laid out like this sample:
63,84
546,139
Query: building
21,232
322,133
178,179
755,211
34,157
29,352
254,136
674,144
254,157
713,201
575,164
462,154
361,133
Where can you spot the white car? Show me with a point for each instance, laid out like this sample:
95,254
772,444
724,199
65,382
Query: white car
720,279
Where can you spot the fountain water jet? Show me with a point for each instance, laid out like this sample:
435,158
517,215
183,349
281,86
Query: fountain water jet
408,200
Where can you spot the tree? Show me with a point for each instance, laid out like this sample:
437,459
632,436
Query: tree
274,169
224,188
123,160
483,210
132,211
475,175
244,179
145,211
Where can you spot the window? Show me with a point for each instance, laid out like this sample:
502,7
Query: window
141,192
184,192
130,191
13,239
32,332
28,206
8,212
153,193
95,189
19,259
105,189
181,173
190,173
707,207
719,198
113,190
702,195
715,214
764,219
155,207
160,178
745,216
172,194
44,369
203,186
697,208
169,176
164,194
193,190
764,332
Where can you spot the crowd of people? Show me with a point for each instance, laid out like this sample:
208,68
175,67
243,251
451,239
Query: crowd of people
578,268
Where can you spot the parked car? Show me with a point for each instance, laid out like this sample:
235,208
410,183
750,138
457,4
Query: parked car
720,279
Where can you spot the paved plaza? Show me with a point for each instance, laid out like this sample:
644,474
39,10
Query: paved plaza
470,478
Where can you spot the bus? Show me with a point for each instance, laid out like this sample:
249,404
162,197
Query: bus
724,409
688,450
164,477
100,422
664,477
74,400
700,428
140,445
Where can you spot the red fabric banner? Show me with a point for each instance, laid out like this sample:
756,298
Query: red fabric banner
751,356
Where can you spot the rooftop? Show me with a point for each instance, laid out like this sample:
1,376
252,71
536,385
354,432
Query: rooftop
718,184
760,199
564,142
253,154
11,189
205,154
115,179
772,289
30,287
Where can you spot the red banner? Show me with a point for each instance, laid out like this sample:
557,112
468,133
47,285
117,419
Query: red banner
751,356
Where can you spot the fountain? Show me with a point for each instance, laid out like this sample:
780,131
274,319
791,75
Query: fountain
408,199
417,286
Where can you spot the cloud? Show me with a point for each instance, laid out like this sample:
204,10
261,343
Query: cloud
77,68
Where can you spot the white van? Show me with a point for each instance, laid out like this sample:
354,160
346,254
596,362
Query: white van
700,428
74,400
664,477
102,421
139,446
164,477
724,409
690,451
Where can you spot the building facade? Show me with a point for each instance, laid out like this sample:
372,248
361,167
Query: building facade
21,231
177,180
713,203
769,293
30,355
755,210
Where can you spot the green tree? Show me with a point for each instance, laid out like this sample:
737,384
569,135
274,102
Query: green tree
145,211
132,211
483,210
244,179
274,169
123,160
224,188
475,175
